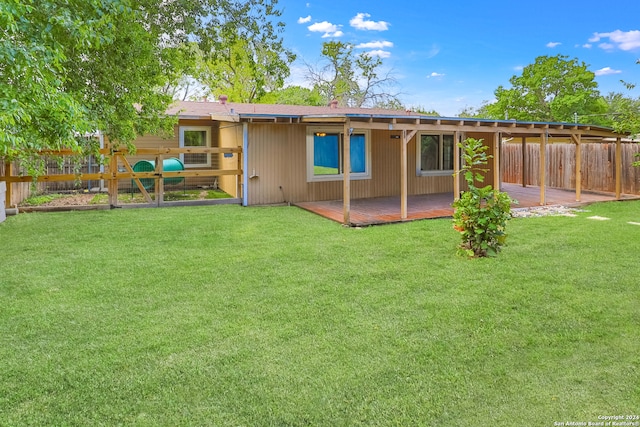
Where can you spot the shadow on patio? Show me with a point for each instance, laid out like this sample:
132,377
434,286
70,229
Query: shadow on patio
383,210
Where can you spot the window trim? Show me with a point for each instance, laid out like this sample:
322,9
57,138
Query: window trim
439,172
311,131
207,129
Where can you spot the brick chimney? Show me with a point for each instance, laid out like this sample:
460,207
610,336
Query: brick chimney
333,103
223,99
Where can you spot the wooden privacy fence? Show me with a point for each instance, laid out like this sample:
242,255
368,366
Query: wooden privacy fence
117,167
597,166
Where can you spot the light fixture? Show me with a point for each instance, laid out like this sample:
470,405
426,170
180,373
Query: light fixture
321,134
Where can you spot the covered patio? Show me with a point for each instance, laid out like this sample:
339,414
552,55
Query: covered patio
383,210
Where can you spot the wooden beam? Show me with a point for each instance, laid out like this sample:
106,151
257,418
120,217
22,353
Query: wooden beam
112,187
618,168
456,166
160,180
346,172
497,144
543,168
525,171
577,140
403,175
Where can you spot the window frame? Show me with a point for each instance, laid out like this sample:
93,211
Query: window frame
207,130
440,171
339,130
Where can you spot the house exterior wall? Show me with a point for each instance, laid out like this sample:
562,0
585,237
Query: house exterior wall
277,162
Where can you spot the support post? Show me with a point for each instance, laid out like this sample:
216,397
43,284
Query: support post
113,178
456,166
524,168
618,168
346,173
578,141
496,160
543,167
159,180
403,177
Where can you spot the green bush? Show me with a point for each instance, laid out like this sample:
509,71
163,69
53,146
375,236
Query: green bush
481,213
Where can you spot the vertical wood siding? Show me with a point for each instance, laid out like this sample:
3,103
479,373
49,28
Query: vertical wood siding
278,159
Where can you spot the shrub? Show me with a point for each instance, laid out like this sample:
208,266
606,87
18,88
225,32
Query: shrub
481,213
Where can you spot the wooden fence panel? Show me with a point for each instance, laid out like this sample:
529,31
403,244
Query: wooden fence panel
18,191
598,166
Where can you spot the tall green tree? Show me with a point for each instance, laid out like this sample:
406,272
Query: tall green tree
245,69
553,88
77,66
353,80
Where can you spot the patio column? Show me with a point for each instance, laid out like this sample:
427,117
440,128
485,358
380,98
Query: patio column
404,179
496,159
618,168
578,142
403,176
346,173
524,162
543,167
456,166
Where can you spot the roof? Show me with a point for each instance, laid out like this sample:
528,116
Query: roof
374,118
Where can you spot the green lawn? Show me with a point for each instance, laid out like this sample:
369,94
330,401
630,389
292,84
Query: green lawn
231,316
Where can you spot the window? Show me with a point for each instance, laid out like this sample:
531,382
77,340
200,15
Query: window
195,136
324,154
435,154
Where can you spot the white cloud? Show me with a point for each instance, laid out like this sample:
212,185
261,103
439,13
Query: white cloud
553,44
606,71
329,29
435,49
587,45
375,45
434,74
380,53
358,22
623,40
518,68
302,20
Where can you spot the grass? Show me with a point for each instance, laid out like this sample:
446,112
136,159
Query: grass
275,317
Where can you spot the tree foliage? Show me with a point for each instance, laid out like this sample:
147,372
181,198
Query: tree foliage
78,66
353,80
293,95
551,89
481,213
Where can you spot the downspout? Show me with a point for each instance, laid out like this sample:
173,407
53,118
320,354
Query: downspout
245,163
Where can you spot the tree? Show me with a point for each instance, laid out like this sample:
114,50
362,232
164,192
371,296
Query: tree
245,69
481,213
78,66
293,95
551,89
352,80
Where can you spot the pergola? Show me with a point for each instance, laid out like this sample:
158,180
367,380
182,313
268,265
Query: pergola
408,126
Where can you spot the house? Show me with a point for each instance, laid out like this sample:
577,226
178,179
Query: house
295,154
271,154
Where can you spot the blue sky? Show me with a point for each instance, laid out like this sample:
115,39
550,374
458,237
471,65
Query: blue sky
447,56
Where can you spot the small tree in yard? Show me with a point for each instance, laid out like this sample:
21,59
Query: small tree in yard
481,213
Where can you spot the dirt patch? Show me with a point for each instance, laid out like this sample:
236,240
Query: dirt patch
71,200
